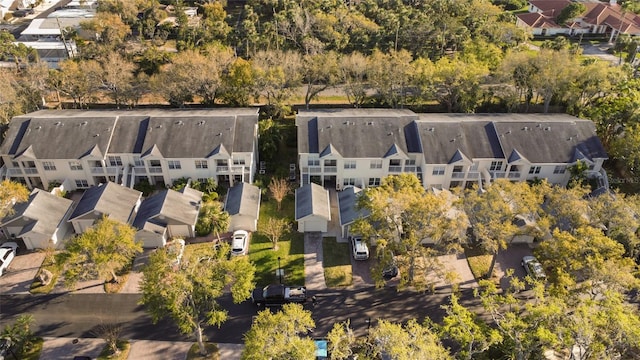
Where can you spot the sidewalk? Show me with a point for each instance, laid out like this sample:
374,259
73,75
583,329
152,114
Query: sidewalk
67,348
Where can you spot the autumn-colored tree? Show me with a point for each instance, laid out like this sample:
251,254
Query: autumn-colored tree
279,188
11,192
353,75
274,229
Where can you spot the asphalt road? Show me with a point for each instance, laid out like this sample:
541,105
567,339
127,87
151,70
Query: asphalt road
79,315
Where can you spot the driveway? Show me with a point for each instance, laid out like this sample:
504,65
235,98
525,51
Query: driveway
21,272
600,51
511,259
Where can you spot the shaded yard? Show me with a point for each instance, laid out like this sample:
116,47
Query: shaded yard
337,263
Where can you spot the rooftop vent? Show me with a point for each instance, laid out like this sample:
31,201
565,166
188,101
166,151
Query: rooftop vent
96,135
201,122
159,126
179,122
526,128
370,123
508,132
390,133
548,128
58,123
432,129
38,127
83,123
219,134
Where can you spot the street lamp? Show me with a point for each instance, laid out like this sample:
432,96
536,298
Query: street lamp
279,270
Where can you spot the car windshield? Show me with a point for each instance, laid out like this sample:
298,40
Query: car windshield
238,244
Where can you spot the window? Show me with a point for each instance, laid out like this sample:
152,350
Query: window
395,162
457,169
330,163
535,170
137,161
202,164
82,184
115,161
155,163
348,181
349,164
238,162
376,164
374,181
313,162
28,164
203,180
410,162
438,170
49,165
75,165
560,169
15,164
174,164
591,167
495,166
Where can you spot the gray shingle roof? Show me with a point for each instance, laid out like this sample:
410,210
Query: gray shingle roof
312,199
347,203
356,133
41,213
243,199
118,202
550,138
178,133
169,207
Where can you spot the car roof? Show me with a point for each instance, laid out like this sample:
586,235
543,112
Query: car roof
360,246
240,232
4,251
529,258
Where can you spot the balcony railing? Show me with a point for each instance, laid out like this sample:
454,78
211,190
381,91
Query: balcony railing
395,169
140,170
222,168
14,171
155,169
457,175
311,169
497,174
331,169
104,170
514,175
410,169
473,175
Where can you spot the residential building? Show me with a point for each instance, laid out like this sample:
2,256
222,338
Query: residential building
110,200
166,215
41,221
313,210
360,147
90,147
599,18
243,205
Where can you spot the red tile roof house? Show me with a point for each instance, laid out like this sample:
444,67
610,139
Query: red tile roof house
599,18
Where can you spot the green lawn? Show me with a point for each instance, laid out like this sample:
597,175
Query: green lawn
290,247
479,263
337,263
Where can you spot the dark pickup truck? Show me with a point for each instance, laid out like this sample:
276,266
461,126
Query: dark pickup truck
277,294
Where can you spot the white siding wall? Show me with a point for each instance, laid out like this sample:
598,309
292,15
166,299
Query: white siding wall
151,239
243,222
312,224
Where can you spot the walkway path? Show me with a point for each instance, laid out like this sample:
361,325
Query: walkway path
67,348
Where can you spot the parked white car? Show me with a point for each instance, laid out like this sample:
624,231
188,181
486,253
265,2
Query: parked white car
240,243
8,252
359,248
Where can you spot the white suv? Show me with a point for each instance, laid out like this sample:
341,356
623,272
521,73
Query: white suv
359,248
8,251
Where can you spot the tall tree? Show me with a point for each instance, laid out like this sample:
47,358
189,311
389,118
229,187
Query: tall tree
406,342
238,83
353,74
100,252
472,335
79,80
403,215
280,335
11,193
117,77
389,75
189,294
319,71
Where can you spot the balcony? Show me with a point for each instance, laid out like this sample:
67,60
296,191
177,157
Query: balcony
410,169
155,169
140,170
498,174
14,171
514,175
473,175
331,169
99,170
235,169
395,169
311,169
457,175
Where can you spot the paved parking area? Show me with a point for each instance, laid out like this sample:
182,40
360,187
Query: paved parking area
67,348
21,272
511,259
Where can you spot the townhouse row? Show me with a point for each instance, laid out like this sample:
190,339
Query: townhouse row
336,148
